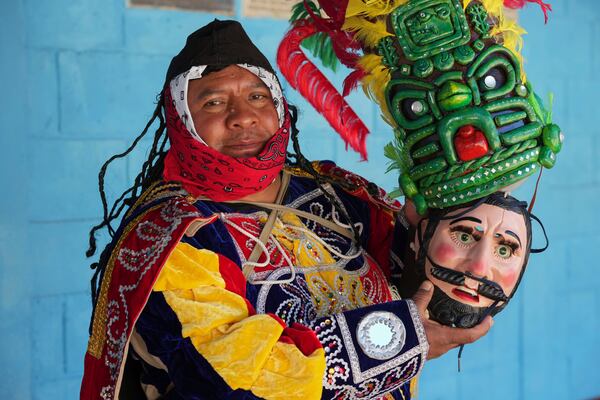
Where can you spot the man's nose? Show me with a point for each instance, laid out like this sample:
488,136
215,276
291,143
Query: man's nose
241,116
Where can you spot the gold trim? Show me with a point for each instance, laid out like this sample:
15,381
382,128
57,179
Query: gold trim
96,342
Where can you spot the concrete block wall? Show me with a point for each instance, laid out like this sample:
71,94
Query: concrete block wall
80,79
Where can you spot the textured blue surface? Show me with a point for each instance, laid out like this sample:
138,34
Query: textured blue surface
79,80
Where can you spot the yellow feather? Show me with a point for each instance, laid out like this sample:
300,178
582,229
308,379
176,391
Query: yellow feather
371,8
367,32
375,82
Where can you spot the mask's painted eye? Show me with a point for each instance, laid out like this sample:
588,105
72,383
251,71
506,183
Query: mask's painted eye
463,238
504,251
495,78
414,108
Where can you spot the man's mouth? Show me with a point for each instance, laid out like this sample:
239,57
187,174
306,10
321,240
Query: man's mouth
466,294
244,149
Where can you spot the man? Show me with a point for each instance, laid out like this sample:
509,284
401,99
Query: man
234,277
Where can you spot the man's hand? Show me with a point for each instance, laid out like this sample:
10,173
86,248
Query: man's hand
443,338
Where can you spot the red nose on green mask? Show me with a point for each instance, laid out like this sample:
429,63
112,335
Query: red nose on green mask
470,143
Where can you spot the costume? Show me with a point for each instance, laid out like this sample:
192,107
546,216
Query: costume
305,332
309,315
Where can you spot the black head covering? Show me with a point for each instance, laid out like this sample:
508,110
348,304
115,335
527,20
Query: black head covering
220,43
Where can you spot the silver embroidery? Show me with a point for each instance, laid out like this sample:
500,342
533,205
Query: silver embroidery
381,335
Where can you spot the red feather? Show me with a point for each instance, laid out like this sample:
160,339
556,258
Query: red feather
517,4
351,81
307,79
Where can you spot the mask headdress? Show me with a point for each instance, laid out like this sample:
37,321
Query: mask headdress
448,77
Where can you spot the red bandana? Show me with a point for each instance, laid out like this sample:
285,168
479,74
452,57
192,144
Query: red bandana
206,172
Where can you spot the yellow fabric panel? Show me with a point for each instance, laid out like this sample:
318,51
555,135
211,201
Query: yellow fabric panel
205,310
307,251
289,374
188,267
243,349
239,352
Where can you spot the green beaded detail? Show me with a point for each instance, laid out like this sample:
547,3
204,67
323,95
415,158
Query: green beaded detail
408,185
521,90
512,104
405,69
423,68
387,50
482,174
507,119
426,150
478,16
547,157
420,204
551,137
461,169
478,45
468,195
525,132
428,27
443,61
429,168
464,55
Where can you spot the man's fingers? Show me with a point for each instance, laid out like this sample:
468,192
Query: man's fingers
423,296
464,336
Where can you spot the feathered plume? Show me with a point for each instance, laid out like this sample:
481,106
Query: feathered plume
307,79
516,4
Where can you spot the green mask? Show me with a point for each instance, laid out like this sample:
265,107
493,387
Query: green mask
466,123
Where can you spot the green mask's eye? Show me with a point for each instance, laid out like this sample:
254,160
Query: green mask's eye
493,79
414,108
504,251
424,16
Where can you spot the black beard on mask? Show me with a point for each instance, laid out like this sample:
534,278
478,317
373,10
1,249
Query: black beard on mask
450,312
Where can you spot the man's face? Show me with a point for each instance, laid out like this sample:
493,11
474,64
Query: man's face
488,242
233,111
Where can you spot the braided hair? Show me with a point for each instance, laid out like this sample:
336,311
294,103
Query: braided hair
151,172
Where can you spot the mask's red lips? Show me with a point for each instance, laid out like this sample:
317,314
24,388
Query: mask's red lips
464,295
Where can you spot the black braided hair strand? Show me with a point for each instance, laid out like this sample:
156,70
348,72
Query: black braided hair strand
151,172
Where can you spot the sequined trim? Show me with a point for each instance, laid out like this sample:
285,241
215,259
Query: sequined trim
358,374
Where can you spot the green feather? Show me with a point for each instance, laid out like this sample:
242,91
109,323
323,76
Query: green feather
319,44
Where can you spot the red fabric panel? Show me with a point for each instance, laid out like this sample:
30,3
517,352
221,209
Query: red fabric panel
302,337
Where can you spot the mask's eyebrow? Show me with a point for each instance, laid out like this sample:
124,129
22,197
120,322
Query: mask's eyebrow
511,233
472,219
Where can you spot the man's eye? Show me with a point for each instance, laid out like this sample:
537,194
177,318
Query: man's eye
213,103
259,96
504,251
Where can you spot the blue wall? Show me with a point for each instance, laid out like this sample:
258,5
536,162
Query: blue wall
79,79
